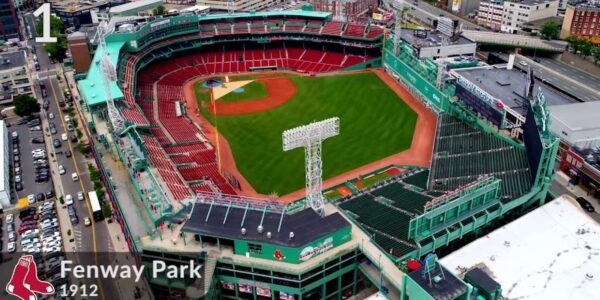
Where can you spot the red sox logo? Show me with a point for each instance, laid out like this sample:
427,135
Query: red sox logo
278,255
24,283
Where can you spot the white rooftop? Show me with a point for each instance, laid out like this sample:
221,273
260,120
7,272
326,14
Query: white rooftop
133,5
550,253
577,116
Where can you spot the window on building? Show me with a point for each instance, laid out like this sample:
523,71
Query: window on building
255,248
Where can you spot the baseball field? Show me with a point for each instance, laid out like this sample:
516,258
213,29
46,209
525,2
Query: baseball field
374,123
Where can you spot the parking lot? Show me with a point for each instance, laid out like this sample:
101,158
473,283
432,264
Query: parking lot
26,162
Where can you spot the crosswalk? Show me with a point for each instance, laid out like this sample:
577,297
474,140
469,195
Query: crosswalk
78,236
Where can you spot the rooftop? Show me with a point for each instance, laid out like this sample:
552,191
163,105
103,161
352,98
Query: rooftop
551,253
433,39
585,4
509,86
221,221
12,60
134,5
578,116
77,5
448,288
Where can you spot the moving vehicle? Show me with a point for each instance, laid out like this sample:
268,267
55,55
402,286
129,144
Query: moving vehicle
96,208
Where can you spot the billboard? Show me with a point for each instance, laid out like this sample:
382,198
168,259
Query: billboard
480,106
533,143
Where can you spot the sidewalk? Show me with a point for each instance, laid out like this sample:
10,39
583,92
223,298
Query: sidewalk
117,239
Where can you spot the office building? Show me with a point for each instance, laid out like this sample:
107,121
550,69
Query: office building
516,13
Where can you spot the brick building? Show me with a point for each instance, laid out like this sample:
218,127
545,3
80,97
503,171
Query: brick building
583,20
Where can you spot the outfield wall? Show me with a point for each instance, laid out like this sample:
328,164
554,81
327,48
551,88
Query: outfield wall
414,81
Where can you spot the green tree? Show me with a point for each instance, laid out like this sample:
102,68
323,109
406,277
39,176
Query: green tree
586,47
57,50
550,30
25,105
106,210
596,54
160,10
83,149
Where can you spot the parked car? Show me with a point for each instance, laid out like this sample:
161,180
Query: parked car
68,153
74,139
64,136
57,143
18,186
586,205
37,140
69,199
61,170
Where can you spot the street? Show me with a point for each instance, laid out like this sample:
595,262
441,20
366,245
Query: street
88,240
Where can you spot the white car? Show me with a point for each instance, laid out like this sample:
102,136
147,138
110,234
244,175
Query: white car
51,239
80,196
67,119
31,198
52,244
12,236
64,137
18,178
11,247
10,218
74,176
522,63
87,221
69,199
49,225
31,233
32,250
51,235
61,170
52,250
50,116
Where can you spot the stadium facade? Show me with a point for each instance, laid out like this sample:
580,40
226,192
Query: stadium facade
489,165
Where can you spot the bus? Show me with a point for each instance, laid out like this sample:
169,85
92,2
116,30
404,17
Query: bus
96,208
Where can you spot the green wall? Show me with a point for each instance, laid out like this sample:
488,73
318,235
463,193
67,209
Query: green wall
295,255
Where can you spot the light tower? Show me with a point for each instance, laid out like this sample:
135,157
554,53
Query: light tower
109,75
310,137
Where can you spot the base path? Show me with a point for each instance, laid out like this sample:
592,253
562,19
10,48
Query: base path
419,153
280,90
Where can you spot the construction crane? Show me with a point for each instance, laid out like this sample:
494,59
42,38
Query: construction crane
109,75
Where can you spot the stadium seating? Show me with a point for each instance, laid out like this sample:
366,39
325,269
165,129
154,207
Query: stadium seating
462,153
332,28
151,95
355,30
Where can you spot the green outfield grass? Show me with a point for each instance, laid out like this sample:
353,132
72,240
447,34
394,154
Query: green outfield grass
374,123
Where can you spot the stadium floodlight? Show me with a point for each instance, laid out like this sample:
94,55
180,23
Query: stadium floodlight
310,137
109,75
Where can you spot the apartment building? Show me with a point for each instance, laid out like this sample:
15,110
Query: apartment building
490,14
516,13
583,20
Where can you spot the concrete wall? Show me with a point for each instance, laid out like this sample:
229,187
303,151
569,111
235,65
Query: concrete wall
452,50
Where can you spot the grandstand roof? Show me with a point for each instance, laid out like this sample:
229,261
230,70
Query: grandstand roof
547,254
307,225
91,87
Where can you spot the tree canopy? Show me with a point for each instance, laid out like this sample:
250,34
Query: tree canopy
25,105
57,50
160,10
550,30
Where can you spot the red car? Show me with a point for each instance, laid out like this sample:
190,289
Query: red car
25,228
30,218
